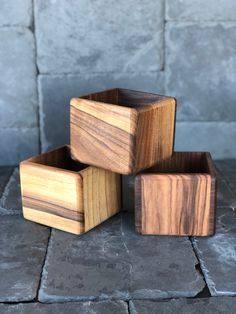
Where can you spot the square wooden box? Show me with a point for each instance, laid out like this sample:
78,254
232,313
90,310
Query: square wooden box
122,130
177,197
64,194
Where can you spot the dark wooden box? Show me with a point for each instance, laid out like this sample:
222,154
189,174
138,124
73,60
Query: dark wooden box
177,197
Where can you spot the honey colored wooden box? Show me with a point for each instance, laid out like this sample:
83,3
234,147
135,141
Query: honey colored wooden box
61,193
177,197
122,130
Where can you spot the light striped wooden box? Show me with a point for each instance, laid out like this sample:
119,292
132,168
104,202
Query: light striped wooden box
67,195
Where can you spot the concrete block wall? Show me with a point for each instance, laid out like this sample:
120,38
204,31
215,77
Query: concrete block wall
53,50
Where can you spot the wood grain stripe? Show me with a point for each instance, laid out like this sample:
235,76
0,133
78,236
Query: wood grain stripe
51,208
177,196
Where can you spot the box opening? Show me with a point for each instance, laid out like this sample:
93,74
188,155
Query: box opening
125,97
59,158
183,162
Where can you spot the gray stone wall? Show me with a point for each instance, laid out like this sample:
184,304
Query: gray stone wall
53,50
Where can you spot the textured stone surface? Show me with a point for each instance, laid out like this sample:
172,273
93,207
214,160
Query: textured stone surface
217,254
202,10
10,203
16,12
220,305
18,98
225,196
106,307
56,91
215,137
227,167
5,173
112,261
99,36
17,145
228,171
23,246
200,63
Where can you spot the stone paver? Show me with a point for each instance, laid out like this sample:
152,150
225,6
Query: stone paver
5,173
99,36
220,305
228,171
18,89
55,92
227,167
202,47
10,202
112,261
18,144
16,13
215,137
106,307
217,254
201,10
225,196
23,247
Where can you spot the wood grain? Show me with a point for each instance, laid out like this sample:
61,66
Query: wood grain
177,196
101,193
54,191
122,130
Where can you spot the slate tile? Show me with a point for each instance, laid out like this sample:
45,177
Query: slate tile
217,254
220,305
225,196
55,92
18,144
112,261
227,167
207,136
16,13
228,171
200,10
23,247
106,307
116,41
10,203
18,86
200,63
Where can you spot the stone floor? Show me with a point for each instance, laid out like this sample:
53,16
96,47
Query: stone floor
111,269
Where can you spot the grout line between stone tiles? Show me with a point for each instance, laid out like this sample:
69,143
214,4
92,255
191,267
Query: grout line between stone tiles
15,26
200,22
128,307
162,69
19,128
43,264
37,74
205,292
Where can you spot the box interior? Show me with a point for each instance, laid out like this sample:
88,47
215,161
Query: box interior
183,162
125,97
59,158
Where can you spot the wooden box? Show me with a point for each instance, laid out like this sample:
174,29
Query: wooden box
61,193
122,130
177,197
